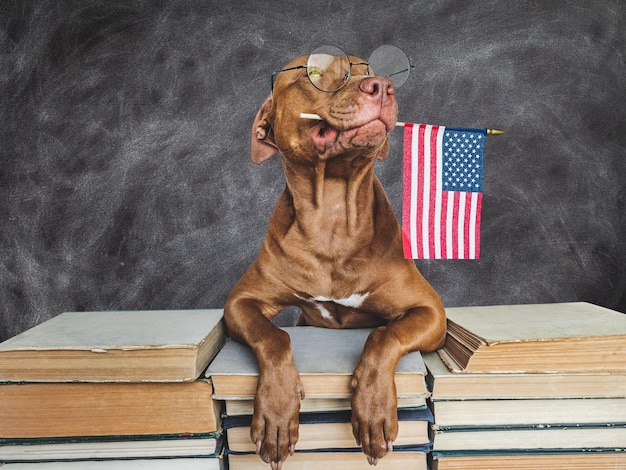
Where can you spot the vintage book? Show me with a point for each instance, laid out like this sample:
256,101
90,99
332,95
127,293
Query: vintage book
608,437
34,410
562,412
325,359
333,460
309,405
131,346
612,460
541,338
323,431
446,385
34,450
190,463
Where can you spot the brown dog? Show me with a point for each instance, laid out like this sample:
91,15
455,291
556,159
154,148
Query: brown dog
333,248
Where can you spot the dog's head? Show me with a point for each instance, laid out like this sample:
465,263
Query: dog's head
356,119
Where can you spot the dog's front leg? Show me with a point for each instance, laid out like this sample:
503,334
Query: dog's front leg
374,404
374,398
274,428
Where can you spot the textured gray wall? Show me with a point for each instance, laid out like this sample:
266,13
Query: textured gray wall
125,178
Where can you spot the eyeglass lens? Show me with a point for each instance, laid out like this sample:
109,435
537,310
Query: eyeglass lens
391,62
328,68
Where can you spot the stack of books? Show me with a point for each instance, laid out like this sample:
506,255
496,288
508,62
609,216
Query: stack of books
119,390
325,360
530,387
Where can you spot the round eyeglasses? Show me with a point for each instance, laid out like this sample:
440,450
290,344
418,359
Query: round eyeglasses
329,68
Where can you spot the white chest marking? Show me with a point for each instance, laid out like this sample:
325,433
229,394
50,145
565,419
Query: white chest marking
324,311
354,301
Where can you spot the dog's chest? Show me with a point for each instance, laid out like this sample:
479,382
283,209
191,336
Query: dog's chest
322,303
344,312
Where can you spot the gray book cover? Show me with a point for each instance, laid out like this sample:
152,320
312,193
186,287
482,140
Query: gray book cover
315,350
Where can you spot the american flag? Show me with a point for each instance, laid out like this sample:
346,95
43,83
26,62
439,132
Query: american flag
442,191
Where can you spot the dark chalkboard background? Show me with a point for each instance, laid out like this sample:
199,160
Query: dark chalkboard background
125,178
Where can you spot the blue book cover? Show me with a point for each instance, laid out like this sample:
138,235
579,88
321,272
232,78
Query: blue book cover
411,414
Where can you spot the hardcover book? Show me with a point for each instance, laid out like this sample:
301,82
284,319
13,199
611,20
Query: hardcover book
584,460
86,449
548,412
177,463
541,338
131,346
311,405
325,359
446,385
334,460
324,431
41,410
572,438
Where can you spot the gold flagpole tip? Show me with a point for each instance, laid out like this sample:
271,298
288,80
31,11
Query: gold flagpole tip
495,132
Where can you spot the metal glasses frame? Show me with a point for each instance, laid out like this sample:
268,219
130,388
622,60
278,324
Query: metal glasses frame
369,73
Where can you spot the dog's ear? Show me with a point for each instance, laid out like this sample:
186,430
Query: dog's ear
262,145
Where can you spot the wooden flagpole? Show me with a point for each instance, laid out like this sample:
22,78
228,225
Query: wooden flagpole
398,124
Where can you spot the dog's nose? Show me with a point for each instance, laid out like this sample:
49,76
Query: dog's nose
377,87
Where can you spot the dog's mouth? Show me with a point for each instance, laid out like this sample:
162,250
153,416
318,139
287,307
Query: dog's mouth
323,132
329,139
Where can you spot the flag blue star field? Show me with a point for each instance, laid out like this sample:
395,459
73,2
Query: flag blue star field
442,191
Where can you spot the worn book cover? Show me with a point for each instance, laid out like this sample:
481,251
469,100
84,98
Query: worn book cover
548,412
556,438
413,460
46,410
177,463
539,338
325,359
122,346
238,407
110,448
324,431
526,460
446,385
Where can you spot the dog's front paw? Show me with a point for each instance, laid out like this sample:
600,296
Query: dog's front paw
374,412
274,428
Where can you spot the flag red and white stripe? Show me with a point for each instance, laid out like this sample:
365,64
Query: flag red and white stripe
442,192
